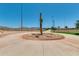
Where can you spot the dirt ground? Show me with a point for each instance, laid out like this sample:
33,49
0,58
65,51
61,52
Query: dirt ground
13,45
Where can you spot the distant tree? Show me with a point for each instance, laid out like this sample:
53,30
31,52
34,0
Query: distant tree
77,24
66,27
58,27
47,28
53,28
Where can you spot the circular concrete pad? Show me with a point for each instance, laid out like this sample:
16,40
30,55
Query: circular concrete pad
45,36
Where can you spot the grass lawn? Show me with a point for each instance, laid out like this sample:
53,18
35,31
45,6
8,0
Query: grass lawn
73,33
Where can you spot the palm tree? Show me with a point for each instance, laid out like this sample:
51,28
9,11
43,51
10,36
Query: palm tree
41,20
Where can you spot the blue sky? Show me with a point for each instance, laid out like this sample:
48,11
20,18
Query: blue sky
63,14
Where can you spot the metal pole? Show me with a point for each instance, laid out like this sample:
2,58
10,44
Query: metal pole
21,17
53,24
53,21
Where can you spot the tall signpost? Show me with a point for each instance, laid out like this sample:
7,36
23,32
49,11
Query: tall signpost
41,20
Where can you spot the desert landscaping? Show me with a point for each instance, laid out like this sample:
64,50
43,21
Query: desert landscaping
39,29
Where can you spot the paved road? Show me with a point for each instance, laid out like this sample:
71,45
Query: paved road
13,45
